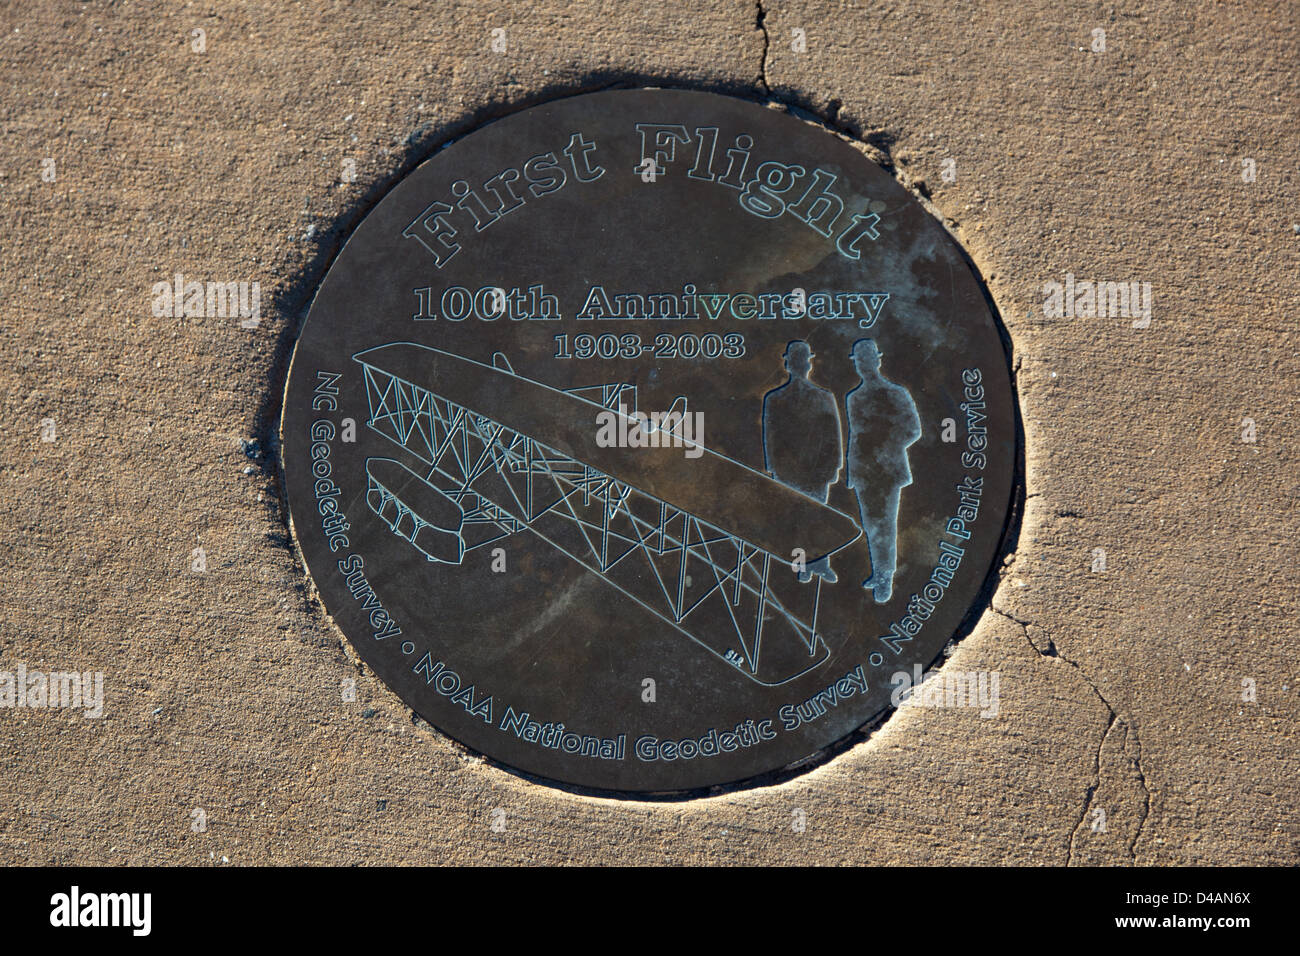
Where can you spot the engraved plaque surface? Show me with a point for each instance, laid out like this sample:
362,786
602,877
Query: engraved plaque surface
638,440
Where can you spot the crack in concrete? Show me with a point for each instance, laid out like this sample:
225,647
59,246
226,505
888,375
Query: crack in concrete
1146,791
1112,719
1092,790
760,23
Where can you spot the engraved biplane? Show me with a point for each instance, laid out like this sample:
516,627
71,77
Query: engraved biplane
704,543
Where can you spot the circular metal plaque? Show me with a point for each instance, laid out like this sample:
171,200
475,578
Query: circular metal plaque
641,440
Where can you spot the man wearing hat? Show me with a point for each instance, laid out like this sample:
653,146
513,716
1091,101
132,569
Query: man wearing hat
883,424
802,446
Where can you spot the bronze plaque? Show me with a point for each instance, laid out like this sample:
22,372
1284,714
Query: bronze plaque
638,440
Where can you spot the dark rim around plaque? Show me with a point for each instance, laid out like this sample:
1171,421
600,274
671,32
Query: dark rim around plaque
648,441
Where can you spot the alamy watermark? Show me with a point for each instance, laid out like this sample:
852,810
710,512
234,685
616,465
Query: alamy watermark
1086,299
183,298
133,911
57,689
947,689
670,429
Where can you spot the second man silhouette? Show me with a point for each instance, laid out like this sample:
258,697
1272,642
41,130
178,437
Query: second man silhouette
883,424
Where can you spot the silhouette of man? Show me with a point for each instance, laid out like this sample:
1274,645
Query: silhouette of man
802,446
883,424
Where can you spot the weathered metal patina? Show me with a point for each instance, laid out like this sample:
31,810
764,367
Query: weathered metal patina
642,439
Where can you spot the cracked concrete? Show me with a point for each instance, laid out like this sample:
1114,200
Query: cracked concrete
1130,756
1160,690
